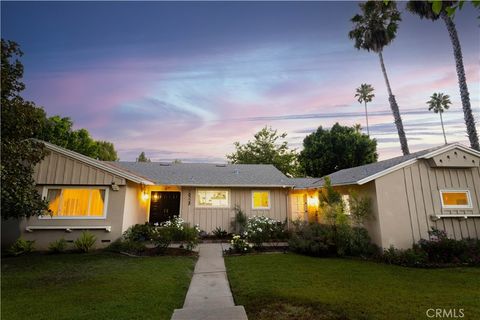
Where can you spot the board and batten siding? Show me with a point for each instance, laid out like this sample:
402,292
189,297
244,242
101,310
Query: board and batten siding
409,197
59,169
210,218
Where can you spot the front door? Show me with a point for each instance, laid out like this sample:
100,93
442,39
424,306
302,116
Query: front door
164,206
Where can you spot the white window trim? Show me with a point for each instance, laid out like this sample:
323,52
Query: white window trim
105,206
269,201
446,206
197,205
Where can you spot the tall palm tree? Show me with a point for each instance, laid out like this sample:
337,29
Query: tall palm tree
374,29
439,102
364,95
424,10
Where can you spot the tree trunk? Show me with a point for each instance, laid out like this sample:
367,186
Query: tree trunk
443,129
395,110
462,82
366,117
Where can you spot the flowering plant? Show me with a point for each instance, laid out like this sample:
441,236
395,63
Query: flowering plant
240,245
175,229
260,229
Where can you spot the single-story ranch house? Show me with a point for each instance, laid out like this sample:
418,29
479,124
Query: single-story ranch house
438,187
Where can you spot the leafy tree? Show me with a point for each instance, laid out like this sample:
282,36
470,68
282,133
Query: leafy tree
439,102
21,121
106,151
177,161
142,157
326,151
59,131
267,148
373,30
364,95
440,9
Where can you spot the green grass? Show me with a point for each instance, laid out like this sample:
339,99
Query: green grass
93,286
289,286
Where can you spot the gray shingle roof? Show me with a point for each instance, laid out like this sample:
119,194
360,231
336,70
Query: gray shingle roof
355,174
207,174
305,183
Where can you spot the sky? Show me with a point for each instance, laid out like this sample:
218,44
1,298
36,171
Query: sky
184,80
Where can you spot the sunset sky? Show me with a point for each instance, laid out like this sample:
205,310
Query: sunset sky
183,80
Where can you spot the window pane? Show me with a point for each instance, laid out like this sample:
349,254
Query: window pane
261,199
455,198
75,202
212,198
53,198
97,202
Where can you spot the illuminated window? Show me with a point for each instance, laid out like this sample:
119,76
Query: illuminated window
455,199
213,198
67,203
261,199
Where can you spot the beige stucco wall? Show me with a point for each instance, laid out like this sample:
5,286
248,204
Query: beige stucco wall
407,198
372,223
135,207
210,218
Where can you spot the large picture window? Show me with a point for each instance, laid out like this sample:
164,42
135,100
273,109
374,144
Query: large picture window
212,198
456,199
260,199
65,203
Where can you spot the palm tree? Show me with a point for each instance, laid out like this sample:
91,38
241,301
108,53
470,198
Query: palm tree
373,30
424,10
439,102
365,94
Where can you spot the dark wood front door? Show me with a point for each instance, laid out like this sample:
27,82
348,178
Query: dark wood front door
164,206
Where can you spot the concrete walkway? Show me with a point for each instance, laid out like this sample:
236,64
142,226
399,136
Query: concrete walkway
209,296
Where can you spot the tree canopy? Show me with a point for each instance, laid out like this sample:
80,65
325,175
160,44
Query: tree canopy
21,121
59,131
268,147
326,151
142,157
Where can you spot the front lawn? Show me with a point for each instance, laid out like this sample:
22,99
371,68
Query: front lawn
290,286
93,286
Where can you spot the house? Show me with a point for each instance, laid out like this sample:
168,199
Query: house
108,197
438,187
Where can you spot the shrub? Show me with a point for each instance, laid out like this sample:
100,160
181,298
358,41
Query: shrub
138,233
58,246
240,221
312,239
240,245
220,233
354,241
128,246
438,250
326,240
410,257
22,246
85,242
174,230
260,229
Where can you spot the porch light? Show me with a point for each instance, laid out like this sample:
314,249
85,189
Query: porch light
145,196
312,201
